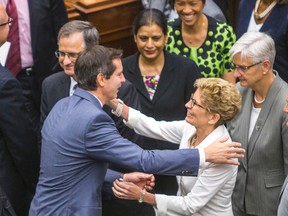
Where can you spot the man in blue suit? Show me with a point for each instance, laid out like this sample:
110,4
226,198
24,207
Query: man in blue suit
79,139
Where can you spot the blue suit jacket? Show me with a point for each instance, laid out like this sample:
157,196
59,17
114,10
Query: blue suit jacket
78,140
275,25
57,86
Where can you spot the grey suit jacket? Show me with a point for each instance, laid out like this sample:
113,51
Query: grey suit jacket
262,171
283,205
78,140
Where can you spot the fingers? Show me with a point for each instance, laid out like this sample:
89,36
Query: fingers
234,144
119,189
223,139
230,161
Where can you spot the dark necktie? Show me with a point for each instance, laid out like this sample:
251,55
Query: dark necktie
13,62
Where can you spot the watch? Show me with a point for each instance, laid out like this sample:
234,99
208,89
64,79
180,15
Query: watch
142,196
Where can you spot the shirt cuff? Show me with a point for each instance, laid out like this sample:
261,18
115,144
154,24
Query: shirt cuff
202,158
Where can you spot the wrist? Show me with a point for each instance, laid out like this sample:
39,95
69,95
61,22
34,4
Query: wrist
142,196
119,108
123,176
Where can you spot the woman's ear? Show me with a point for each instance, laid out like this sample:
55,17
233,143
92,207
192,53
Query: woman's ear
215,117
266,65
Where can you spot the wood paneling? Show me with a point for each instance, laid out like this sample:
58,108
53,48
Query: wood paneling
112,18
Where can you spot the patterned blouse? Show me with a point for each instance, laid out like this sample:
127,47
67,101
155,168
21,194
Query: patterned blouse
212,58
151,83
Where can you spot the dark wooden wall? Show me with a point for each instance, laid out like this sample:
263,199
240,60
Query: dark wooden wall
113,19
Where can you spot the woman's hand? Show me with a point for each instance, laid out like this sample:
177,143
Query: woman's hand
126,190
113,103
142,180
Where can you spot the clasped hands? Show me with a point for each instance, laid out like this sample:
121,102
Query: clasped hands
132,185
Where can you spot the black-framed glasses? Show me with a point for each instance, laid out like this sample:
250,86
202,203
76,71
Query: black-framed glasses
9,23
194,102
71,56
243,68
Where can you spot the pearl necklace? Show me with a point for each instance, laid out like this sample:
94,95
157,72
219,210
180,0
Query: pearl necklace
259,16
258,102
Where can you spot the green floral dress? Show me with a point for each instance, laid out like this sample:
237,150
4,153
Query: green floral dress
212,58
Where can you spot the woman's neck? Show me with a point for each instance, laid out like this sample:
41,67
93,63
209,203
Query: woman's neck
262,87
202,133
151,67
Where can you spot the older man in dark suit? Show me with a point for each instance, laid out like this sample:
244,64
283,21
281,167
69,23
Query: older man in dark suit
73,38
19,155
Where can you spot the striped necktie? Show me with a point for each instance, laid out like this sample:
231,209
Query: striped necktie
13,62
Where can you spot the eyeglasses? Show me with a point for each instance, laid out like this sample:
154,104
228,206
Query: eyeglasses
194,102
242,67
9,23
71,56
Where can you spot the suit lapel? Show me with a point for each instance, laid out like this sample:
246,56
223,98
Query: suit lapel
167,76
64,86
264,113
244,130
136,78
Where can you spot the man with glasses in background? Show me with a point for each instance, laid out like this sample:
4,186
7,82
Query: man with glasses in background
19,155
74,37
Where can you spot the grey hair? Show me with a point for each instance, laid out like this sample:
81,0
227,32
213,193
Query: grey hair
258,46
90,33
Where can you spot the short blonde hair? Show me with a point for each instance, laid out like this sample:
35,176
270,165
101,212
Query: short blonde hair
219,96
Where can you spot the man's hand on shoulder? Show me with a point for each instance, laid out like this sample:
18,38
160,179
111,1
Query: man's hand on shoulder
222,152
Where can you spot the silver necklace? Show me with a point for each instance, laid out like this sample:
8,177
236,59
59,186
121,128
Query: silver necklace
259,16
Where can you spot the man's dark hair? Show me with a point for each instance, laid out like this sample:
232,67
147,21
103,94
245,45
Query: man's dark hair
91,62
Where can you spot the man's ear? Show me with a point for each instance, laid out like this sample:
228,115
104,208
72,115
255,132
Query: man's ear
100,80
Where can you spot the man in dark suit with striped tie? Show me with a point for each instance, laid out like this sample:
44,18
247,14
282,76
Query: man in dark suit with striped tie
19,154
33,42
